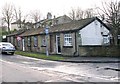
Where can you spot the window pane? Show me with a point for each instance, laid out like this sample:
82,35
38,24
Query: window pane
19,43
43,41
28,41
35,41
67,40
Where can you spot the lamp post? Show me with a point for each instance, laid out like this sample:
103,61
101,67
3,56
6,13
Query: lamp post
47,35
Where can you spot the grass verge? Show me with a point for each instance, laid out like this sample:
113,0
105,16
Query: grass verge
41,56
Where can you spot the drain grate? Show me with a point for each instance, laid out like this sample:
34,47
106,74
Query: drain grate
112,69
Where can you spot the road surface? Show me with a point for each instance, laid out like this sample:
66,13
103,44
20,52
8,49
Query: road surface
25,69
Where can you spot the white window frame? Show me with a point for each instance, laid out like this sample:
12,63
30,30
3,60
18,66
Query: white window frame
105,40
68,39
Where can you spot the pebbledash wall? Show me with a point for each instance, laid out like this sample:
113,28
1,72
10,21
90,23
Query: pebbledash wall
98,50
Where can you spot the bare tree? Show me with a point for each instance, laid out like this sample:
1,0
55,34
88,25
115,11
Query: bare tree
72,14
35,15
111,12
89,13
79,14
8,14
18,17
76,14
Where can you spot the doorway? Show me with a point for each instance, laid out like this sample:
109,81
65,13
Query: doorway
51,43
23,44
58,45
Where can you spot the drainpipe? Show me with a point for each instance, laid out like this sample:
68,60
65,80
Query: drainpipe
75,45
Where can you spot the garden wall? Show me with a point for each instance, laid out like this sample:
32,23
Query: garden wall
99,51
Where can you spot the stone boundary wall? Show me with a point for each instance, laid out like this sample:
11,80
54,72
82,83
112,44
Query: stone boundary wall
89,50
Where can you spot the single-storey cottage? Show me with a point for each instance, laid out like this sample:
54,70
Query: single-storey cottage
65,38
13,37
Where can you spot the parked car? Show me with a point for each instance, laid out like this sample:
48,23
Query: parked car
6,47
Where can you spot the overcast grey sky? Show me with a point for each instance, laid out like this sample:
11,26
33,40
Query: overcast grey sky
56,7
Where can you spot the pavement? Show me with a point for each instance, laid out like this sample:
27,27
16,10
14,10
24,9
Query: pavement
93,60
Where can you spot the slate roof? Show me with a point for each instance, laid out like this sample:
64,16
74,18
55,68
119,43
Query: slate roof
47,20
72,26
66,27
16,33
33,32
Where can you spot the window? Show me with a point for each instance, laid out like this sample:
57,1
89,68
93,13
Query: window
43,42
18,43
68,40
28,39
105,40
35,41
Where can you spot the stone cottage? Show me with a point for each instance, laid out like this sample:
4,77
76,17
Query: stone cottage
65,38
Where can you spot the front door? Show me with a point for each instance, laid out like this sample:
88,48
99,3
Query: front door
58,45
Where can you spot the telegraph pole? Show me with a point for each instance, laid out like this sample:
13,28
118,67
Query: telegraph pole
49,16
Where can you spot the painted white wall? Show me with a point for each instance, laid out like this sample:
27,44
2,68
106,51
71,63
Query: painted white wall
91,34
14,26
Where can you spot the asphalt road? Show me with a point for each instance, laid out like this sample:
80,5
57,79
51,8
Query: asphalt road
25,69
14,72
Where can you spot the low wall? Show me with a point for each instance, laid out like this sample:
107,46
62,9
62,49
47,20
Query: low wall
67,51
99,51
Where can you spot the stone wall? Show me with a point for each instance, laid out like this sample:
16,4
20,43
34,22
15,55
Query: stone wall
68,50
99,50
